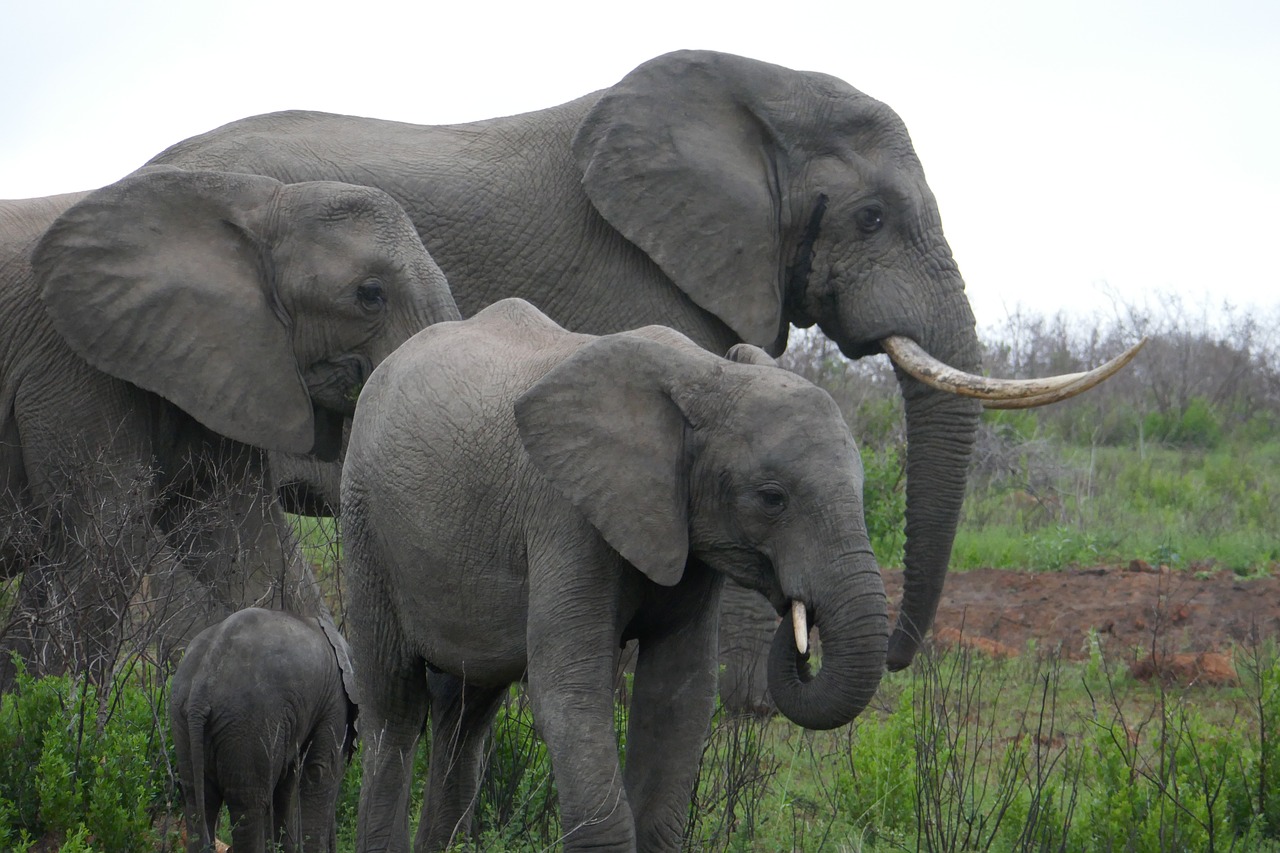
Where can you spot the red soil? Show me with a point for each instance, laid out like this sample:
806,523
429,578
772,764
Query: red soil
1181,625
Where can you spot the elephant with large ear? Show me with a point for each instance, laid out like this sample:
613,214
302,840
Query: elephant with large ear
264,723
159,334
519,499
719,195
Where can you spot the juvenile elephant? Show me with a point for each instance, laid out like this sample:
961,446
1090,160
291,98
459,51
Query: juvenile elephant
158,334
724,197
263,723
522,499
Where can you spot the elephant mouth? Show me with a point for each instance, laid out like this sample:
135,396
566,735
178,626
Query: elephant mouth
327,443
829,693
335,384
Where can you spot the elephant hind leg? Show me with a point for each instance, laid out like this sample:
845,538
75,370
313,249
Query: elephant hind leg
200,819
461,715
284,812
393,712
251,823
320,780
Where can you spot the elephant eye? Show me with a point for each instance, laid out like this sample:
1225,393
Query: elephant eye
369,294
869,219
772,498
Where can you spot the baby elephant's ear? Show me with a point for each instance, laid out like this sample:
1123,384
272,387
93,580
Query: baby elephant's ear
602,429
342,652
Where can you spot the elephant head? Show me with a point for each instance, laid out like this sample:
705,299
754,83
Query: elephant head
675,455
772,197
257,307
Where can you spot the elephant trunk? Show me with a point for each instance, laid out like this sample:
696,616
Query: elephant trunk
852,614
941,431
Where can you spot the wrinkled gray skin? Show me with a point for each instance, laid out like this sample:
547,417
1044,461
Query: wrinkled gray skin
719,195
519,499
263,724
154,336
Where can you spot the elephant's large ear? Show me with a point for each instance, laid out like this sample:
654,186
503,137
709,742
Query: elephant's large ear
603,430
342,652
686,169
163,279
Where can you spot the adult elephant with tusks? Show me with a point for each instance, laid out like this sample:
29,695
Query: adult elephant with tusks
722,196
157,336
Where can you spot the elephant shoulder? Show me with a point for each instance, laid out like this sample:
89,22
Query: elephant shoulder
512,332
509,320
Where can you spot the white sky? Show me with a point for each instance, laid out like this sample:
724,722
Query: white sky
1079,151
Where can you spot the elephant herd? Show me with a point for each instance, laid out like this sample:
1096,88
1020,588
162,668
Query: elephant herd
603,452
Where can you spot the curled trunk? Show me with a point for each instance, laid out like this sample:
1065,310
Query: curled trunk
851,612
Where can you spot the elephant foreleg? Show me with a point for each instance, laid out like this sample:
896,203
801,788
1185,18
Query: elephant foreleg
573,644
672,700
461,715
747,625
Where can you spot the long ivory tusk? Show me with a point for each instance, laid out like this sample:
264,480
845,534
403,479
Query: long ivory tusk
1006,393
800,625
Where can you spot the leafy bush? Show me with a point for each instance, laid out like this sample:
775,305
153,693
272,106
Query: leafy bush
95,772
885,503
1196,426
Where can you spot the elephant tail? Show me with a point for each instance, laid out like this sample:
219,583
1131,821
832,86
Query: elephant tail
195,744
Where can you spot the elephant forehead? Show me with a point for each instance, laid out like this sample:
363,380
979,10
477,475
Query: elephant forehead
770,393
790,425
328,203
335,249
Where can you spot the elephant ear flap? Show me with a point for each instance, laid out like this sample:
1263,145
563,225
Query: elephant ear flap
343,653
603,430
163,279
685,169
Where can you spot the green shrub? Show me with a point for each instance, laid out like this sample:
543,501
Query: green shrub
885,503
878,789
517,800
1062,546
94,772
1197,426
1019,425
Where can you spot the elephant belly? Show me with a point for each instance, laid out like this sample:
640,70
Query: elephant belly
469,624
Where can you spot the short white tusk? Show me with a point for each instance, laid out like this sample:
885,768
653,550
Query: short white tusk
999,393
800,625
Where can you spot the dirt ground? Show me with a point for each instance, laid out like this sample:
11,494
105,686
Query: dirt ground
1135,608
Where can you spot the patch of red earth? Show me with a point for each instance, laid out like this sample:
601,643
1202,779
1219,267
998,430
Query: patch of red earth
1179,625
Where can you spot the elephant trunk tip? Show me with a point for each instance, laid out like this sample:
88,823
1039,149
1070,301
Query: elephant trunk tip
903,646
851,665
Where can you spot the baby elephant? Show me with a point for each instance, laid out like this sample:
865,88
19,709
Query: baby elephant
519,500
263,722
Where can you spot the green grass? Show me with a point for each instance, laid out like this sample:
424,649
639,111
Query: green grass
1185,508
960,752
